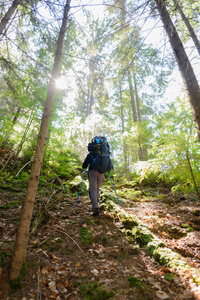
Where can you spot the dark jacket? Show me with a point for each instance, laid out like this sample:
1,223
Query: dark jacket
88,160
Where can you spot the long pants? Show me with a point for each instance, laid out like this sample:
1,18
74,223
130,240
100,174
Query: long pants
95,181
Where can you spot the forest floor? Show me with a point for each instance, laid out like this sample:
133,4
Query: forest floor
74,256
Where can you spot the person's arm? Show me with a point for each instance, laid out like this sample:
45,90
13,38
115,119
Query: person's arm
87,161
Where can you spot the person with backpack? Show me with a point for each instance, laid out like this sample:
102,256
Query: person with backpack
99,163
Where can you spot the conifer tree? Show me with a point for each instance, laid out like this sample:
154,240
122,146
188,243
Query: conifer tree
185,67
19,255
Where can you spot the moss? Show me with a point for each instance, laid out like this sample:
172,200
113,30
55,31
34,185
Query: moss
122,255
196,212
141,287
134,282
196,280
86,236
175,233
105,240
3,258
129,223
169,276
136,231
17,283
187,227
127,220
154,244
95,291
142,235
12,204
165,255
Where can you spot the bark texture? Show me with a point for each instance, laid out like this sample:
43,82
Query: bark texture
189,26
188,75
8,15
132,97
19,255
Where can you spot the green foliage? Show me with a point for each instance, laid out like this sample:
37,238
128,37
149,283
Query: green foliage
86,236
106,194
104,240
75,184
129,193
64,164
12,204
95,291
187,227
3,258
175,151
134,282
169,276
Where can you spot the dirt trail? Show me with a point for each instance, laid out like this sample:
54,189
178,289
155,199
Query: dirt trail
74,256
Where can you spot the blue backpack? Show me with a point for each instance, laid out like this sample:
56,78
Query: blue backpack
101,154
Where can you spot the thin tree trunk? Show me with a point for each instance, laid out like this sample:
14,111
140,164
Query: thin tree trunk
140,150
8,15
137,98
7,27
91,84
19,256
17,115
189,27
192,175
132,97
123,129
122,108
183,62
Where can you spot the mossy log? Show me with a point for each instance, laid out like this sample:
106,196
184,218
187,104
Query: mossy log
144,237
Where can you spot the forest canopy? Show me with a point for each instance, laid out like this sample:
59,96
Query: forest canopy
118,77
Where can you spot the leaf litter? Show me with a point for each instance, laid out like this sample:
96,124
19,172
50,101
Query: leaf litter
74,256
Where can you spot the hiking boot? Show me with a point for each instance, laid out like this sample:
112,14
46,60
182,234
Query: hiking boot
96,213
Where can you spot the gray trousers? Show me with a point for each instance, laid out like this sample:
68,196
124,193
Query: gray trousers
95,181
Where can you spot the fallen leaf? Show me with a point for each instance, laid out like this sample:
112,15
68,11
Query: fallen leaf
52,286
78,264
83,273
44,271
67,283
161,295
157,285
164,233
95,272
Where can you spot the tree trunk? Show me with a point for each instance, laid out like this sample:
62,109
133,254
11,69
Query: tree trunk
122,108
21,241
189,27
123,129
137,99
8,15
91,84
183,62
132,97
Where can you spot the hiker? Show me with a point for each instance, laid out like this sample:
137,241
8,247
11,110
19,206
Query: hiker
99,163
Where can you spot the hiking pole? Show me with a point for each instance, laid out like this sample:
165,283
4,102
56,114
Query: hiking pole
80,187
114,189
